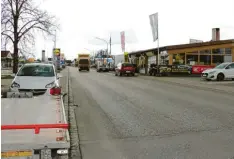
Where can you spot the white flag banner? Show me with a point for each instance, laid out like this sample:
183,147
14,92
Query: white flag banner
154,25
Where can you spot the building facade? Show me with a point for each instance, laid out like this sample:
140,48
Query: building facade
206,53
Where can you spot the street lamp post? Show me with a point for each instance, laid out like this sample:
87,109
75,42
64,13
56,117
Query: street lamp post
92,52
104,41
55,38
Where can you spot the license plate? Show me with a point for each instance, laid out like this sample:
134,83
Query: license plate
16,154
127,71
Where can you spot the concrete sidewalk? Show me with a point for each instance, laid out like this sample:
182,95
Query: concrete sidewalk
196,82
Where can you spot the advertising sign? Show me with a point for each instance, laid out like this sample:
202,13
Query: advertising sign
122,34
192,41
62,59
198,69
56,52
125,56
154,25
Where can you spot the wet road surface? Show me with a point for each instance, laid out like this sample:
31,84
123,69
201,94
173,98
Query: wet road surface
134,118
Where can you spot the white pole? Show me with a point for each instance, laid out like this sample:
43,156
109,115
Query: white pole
158,42
158,53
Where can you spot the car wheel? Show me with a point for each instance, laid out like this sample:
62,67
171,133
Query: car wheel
133,74
87,69
208,79
79,70
220,77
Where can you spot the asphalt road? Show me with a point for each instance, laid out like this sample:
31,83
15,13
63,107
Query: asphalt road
133,118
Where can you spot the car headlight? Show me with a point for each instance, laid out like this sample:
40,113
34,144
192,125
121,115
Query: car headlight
50,85
14,84
212,72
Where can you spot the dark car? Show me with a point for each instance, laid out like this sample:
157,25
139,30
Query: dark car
125,69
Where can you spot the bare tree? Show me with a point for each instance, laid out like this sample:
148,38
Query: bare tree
20,19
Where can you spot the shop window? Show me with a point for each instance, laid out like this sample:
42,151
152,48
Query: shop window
205,60
217,59
179,59
192,59
192,52
205,52
218,51
228,51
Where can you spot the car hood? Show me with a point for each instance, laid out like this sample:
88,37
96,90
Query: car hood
31,82
210,70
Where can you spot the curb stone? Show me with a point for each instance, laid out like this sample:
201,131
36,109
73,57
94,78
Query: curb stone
73,130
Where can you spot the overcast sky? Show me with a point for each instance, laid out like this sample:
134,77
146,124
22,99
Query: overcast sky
179,20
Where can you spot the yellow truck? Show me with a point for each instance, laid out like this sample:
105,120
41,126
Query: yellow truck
83,62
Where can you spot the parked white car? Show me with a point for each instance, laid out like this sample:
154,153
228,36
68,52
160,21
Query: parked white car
220,72
37,78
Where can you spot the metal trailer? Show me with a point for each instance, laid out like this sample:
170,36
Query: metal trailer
34,128
101,67
118,59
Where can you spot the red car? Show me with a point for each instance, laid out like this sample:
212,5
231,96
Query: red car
124,69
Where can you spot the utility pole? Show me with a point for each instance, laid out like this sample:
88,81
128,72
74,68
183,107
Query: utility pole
110,44
105,42
55,39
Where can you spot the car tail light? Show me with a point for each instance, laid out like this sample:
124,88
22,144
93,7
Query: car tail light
55,91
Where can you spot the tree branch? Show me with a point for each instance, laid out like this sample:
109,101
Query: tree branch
8,36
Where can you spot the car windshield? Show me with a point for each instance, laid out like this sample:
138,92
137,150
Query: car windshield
127,65
221,66
37,70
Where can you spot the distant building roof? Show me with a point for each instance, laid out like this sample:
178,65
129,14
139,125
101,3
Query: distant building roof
184,46
208,43
148,50
6,54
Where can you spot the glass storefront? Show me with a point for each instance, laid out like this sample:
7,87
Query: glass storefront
192,59
203,57
179,59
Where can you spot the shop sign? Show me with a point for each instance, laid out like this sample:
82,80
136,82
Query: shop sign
198,69
149,54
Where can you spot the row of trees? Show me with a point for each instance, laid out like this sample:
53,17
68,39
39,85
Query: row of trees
20,21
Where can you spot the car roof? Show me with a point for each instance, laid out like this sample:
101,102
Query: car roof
227,62
42,64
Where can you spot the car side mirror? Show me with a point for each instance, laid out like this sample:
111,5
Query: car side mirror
227,68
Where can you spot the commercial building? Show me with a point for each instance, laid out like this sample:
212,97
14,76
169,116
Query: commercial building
205,53
208,53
